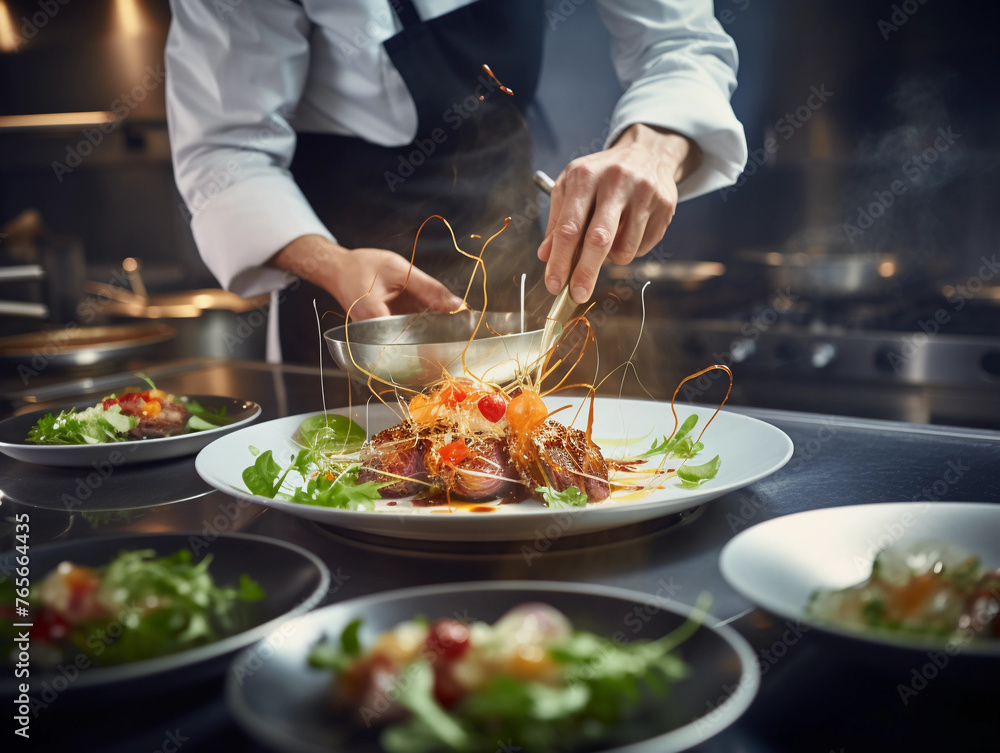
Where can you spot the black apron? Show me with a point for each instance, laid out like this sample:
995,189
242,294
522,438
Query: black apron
470,162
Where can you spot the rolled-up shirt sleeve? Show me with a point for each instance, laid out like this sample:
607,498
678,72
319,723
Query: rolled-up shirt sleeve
678,68
235,74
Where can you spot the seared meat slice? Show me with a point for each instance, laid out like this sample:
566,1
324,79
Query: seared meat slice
172,419
399,451
559,457
486,473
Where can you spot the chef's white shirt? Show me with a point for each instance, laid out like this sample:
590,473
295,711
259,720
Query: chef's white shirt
244,75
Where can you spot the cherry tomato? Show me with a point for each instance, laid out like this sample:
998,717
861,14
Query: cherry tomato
447,691
454,452
448,639
493,407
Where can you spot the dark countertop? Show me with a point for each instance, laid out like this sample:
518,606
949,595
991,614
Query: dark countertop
818,693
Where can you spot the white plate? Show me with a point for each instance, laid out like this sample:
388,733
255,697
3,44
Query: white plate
13,432
778,564
750,449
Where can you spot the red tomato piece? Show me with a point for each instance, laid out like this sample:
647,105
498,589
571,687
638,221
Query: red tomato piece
493,407
454,452
447,691
448,639
109,402
49,626
130,398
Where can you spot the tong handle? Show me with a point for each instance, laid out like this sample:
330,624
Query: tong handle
563,307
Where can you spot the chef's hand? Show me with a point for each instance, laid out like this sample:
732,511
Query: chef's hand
375,281
618,202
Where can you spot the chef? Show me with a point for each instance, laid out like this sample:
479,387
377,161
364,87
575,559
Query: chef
311,139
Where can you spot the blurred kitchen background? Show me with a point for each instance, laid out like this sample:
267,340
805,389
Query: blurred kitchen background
852,270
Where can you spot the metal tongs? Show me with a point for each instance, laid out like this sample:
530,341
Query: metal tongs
563,307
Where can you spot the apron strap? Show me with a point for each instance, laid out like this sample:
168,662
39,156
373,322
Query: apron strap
406,13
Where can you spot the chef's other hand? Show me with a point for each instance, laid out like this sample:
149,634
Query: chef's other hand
376,281
617,202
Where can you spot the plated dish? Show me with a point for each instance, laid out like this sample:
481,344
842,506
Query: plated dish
749,449
793,565
291,579
136,607
287,702
104,431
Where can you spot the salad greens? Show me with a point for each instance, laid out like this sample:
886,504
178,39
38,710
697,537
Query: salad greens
323,473
682,446
89,426
191,610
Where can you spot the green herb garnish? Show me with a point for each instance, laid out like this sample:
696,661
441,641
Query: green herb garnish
325,473
569,497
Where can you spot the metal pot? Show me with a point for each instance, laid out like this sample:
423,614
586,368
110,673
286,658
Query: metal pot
826,275
209,322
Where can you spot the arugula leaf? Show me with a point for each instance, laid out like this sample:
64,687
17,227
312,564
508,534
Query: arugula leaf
204,415
349,638
325,655
262,478
146,379
669,443
326,490
418,696
332,433
249,589
568,497
197,423
693,476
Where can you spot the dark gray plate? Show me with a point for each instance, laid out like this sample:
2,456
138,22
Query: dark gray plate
14,431
294,581
281,701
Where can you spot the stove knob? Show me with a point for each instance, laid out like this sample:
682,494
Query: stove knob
741,349
822,354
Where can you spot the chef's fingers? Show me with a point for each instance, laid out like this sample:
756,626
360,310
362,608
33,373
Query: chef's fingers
636,219
369,307
571,205
545,249
656,228
603,229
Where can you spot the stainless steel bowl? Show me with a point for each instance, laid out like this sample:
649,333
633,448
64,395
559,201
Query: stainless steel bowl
415,350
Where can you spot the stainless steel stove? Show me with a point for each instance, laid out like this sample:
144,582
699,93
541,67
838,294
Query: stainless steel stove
925,359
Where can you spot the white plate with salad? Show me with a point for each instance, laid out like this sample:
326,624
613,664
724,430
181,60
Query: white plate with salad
282,464
134,425
914,575
511,665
